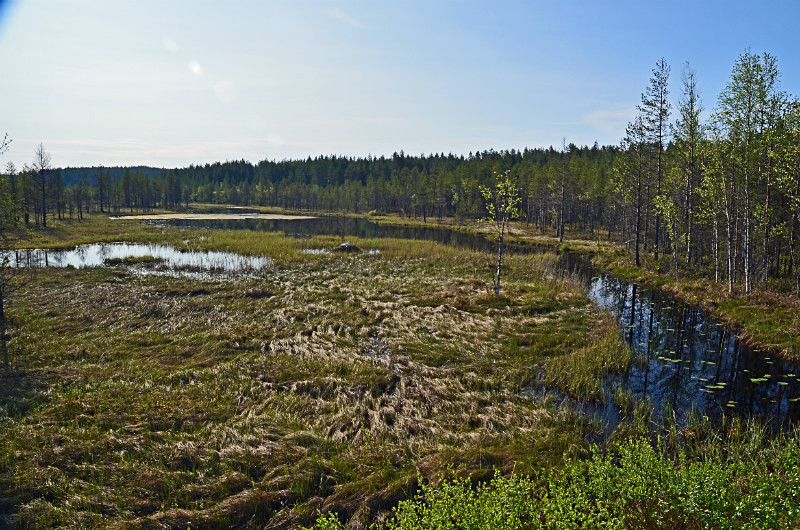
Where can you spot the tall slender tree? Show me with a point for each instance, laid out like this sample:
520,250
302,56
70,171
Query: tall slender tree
630,174
502,205
41,164
563,176
655,108
8,221
748,108
688,134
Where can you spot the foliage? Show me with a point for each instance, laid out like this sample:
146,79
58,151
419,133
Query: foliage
502,205
503,503
733,484
502,201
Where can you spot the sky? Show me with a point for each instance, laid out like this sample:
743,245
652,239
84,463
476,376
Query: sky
169,83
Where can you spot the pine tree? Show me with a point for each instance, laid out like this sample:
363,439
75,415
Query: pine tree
655,108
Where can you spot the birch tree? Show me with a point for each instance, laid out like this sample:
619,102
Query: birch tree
502,205
688,134
749,109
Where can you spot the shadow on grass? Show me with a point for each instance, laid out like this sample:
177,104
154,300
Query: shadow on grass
20,391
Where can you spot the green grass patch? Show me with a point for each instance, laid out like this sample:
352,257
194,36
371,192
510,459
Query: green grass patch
330,380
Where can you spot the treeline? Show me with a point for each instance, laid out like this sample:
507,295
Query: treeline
417,186
723,194
436,185
720,194
38,190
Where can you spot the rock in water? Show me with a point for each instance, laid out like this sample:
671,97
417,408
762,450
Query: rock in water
346,247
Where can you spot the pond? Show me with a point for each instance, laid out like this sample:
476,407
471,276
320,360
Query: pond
165,259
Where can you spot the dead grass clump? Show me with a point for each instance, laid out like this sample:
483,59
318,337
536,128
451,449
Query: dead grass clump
334,382
257,293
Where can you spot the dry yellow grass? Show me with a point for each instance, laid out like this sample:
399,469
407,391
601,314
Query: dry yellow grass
333,382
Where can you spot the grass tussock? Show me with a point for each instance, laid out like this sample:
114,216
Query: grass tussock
582,372
332,382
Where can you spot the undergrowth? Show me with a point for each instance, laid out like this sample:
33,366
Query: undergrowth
746,480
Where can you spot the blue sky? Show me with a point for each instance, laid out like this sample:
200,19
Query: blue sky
170,83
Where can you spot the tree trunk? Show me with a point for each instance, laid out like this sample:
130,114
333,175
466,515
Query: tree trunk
638,212
767,227
44,200
729,228
3,323
658,194
747,249
675,251
716,249
499,259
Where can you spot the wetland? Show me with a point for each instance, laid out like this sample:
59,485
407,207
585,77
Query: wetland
273,383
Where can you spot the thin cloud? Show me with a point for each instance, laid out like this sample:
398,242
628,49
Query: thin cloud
225,91
341,16
128,151
610,122
169,45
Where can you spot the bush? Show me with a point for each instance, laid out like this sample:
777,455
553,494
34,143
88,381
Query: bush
634,486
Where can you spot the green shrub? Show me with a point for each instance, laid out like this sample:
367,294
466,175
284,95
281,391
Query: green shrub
635,485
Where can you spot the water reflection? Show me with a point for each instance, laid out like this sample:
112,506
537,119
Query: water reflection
164,258
685,362
343,227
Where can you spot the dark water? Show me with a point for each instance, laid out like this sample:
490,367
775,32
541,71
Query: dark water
343,227
685,361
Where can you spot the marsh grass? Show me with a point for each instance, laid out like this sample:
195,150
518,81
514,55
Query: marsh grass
581,373
137,260
330,382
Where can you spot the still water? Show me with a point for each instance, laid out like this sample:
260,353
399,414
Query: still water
343,227
685,361
166,258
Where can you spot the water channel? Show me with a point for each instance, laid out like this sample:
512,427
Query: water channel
688,363
340,226
684,361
